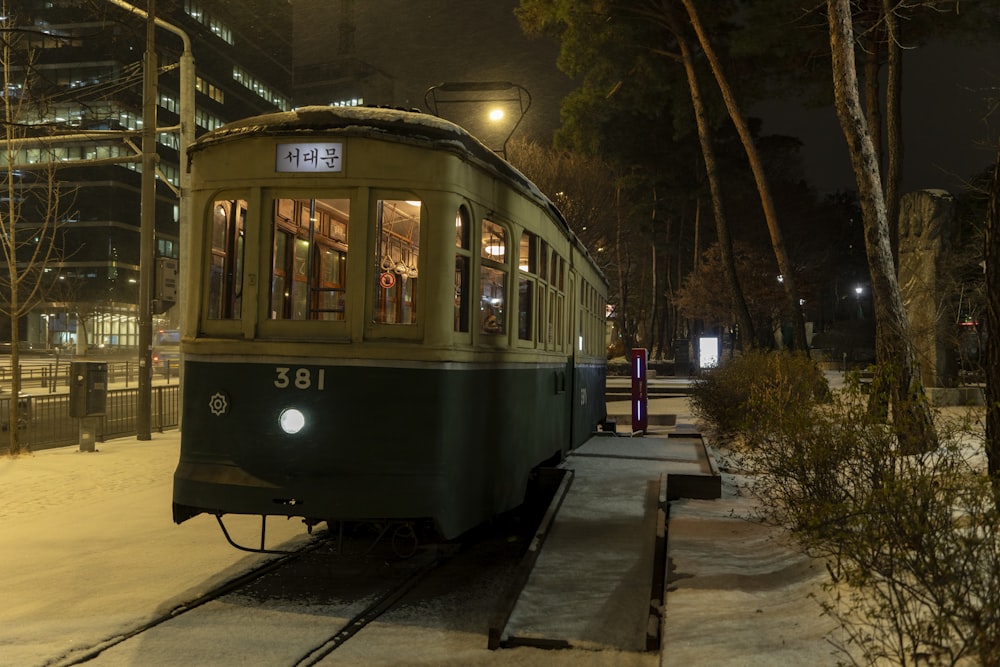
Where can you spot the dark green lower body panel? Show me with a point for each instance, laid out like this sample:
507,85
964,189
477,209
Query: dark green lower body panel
450,444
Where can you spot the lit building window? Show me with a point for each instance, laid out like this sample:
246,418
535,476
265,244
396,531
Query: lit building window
219,29
244,78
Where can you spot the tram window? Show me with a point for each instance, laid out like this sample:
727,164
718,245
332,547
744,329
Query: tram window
462,228
525,293
553,306
309,260
462,262
540,309
493,285
494,242
557,321
527,253
493,279
461,293
397,257
300,279
225,274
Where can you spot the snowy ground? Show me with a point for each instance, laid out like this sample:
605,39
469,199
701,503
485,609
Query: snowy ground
89,550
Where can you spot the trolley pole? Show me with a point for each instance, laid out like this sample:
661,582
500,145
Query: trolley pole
147,229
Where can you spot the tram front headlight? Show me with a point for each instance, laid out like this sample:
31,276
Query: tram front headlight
291,420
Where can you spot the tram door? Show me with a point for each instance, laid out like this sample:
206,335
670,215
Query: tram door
309,261
396,261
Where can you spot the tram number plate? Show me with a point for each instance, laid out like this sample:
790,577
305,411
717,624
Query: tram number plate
300,378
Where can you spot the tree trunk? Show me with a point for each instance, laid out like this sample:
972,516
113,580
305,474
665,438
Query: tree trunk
893,121
767,203
992,260
9,243
896,354
746,333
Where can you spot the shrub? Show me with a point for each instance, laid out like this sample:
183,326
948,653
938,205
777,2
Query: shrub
909,537
757,391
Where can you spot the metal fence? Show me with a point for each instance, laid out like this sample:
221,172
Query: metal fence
46,422
53,374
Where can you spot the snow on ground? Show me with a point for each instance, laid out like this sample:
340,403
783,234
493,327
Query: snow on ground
739,592
89,550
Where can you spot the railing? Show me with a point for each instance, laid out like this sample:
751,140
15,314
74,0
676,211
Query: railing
55,374
45,420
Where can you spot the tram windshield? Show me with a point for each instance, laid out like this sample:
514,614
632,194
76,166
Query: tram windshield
309,259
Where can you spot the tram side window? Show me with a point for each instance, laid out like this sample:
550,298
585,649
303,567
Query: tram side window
309,259
554,334
397,257
225,274
462,262
493,279
527,265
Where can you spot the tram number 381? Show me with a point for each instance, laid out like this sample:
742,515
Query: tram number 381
300,378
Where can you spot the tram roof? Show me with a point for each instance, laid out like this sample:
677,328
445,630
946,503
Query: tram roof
389,124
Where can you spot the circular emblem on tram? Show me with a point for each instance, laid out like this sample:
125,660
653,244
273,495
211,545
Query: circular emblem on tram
219,404
387,280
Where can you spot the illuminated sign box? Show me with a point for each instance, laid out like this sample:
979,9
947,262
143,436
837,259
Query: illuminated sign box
708,352
309,157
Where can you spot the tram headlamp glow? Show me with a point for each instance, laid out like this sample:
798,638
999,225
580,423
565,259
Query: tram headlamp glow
291,420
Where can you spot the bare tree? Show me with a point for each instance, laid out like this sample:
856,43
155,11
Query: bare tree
28,218
900,373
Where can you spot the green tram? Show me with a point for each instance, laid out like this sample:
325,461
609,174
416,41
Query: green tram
384,321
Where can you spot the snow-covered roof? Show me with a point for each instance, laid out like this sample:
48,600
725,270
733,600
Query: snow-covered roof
388,124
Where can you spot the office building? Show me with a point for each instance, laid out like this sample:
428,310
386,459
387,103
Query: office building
77,67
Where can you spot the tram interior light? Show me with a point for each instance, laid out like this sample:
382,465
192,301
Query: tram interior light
291,420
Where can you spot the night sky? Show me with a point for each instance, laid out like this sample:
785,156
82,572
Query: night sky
406,47
948,136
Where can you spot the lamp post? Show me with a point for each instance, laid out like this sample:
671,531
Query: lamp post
147,229
186,131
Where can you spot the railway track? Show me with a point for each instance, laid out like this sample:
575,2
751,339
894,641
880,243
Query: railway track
382,603
342,583
216,593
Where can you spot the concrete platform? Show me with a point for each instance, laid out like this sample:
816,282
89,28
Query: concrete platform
597,581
